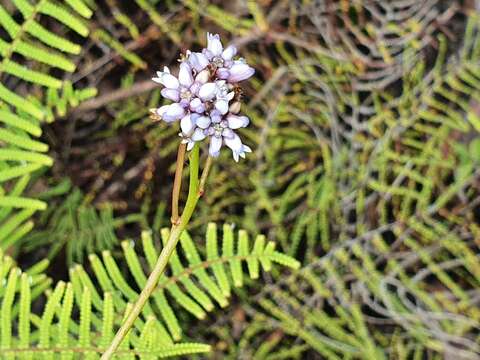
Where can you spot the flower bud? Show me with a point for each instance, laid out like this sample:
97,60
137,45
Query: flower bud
240,71
235,107
198,61
207,91
223,73
203,76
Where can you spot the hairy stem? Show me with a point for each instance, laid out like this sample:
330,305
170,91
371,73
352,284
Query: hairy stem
177,183
162,262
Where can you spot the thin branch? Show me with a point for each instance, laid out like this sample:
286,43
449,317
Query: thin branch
177,183
136,89
203,179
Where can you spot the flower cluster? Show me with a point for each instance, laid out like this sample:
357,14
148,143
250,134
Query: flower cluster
206,97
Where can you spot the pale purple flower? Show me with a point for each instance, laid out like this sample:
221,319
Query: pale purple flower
182,90
206,97
207,91
197,61
222,60
220,130
170,112
240,71
223,96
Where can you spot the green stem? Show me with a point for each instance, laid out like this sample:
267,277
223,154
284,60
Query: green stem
177,183
162,262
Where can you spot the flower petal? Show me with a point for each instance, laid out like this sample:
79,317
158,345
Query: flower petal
202,76
185,75
223,73
215,146
222,106
167,80
229,52
173,112
161,110
171,94
234,143
198,61
236,122
198,135
240,71
195,88
197,105
216,116
228,133
214,45
203,122
190,145
207,91
208,54
187,124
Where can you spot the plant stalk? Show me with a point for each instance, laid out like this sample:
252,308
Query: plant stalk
177,183
194,192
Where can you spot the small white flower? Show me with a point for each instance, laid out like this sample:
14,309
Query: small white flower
237,122
223,97
185,77
205,97
187,124
171,112
207,91
197,60
214,45
166,79
229,52
238,149
240,71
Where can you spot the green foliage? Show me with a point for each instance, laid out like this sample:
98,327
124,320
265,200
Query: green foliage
365,122
21,117
76,226
192,286
75,311
67,325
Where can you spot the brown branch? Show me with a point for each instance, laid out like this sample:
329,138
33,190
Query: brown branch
137,89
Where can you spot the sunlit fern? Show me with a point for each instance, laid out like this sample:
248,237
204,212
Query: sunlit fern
88,305
43,52
67,325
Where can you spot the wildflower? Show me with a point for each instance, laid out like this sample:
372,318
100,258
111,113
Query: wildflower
220,130
239,71
223,96
198,61
206,97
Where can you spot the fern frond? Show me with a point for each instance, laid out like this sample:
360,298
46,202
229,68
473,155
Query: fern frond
77,227
194,287
21,116
100,301
58,333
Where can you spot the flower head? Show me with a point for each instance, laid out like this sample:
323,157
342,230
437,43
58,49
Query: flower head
206,97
